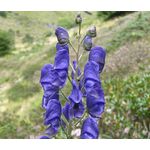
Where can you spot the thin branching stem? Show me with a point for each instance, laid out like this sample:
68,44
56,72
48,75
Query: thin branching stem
64,95
73,47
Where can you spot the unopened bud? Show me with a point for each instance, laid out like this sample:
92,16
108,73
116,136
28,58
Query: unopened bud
62,35
87,43
78,19
92,31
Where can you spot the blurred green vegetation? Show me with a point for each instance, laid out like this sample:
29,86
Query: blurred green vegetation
135,29
3,14
127,107
106,15
6,41
125,79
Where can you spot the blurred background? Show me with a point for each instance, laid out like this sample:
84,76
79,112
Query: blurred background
27,42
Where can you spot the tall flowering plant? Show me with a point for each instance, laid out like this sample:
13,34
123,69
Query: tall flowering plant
79,117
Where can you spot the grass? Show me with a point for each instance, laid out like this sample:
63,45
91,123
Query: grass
135,30
125,83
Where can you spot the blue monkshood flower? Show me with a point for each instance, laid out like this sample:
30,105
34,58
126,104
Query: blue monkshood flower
89,129
92,31
47,98
51,76
91,71
44,137
52,116
62,57
94,98
95,105
93,88
87,43
75,67
98,55
73,110
62,35
76,95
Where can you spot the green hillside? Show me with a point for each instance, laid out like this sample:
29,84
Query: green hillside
125,79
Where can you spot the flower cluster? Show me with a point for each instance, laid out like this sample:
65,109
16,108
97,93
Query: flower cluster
53,78
85,103
94,93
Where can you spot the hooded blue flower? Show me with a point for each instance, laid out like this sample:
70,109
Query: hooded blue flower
94,98
51,76
62,35
95,105
73,110
76,95
89,129
52,116
62,57
91,71
93,88
98,55
87,43
46,99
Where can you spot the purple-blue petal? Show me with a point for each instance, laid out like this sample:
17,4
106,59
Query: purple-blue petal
53,128
62,57
46,99
44,137
91,71
67,111
95,105
89,129
53,112
76,95
98,55
78,109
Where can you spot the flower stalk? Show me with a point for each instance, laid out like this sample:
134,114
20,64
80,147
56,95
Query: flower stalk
85,104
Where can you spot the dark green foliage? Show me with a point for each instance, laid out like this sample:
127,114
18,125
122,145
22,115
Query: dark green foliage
3,14
106,15
6,42
128,102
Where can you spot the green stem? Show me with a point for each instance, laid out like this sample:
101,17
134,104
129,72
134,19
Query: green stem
78,43
72,68
69,80
72,47
80,119
64,95
64,132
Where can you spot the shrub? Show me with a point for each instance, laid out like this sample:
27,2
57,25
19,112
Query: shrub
6,42
3,14
106,15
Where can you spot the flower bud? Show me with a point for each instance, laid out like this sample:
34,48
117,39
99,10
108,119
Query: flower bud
92,31
78,19
87,43
62,35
